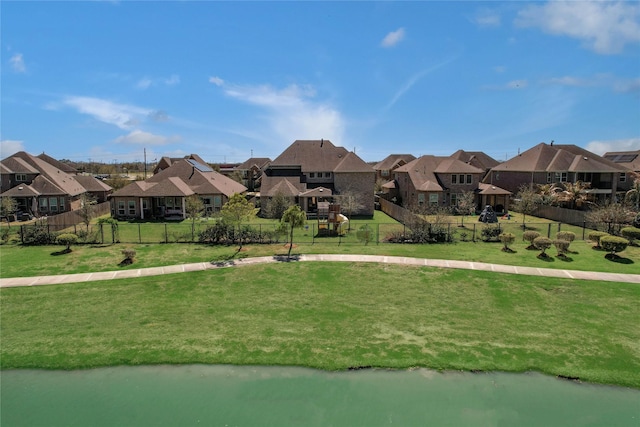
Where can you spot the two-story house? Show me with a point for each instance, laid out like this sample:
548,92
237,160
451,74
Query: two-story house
251,171
434,181
312,171
41,188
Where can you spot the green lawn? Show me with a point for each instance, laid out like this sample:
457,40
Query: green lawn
331,316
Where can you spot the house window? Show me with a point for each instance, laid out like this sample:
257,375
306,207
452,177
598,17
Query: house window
549,177
384,172
121,207
469,179
169,202
217,203
421,199
61,204
561,176
454,199
327,174
433,199
43,203
53,204
145,204
21,177
312,174
584,176
623,177
461,179
132,207
454,179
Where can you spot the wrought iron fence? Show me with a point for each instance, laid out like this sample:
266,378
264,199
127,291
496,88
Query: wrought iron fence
311,233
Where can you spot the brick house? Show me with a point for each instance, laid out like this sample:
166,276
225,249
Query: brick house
558,164
312,171
43,186
384,169
163,196
251,171
440,182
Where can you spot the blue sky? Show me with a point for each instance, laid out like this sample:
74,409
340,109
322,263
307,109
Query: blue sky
103,81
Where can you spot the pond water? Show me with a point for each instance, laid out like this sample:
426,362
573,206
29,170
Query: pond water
198,395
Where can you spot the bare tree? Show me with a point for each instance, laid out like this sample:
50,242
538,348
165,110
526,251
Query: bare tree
194,206
351,201
8,206
466,204
277,205
527,200
87,208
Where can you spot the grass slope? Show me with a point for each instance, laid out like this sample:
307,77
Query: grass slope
331,316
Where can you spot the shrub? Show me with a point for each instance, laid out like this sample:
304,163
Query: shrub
631,233
542,243
569,236
613,244
365,234
5,232
595,237
38,234
219,232
491,233
562,246
67,239
530,236
129,254
507,239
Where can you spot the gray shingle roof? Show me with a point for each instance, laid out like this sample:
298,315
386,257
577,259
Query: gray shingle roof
321,156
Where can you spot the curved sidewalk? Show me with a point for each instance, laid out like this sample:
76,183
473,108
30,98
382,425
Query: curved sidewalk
184,268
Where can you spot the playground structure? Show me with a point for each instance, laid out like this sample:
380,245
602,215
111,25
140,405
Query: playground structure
330,221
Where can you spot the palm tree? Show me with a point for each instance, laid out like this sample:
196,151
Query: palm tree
549,193
574,193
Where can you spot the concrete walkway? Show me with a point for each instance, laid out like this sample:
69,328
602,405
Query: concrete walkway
184,268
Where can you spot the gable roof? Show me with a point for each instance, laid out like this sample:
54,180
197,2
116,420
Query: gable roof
62,181
321,156
628,159
558,158
282,185
476,158
185,177
393,160
258,162
60,165
423,171
92,184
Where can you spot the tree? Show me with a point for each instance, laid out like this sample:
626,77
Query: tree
8,206
277,205
365,234
351,201
542,243
87,208
194,206
548,193
610,217
527,200
67,239
466,204
236,211
574,193
633,195
507,239
293,217
613,244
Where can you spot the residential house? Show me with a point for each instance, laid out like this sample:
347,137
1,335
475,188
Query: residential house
559,164
251,171
40,188
163,196
476,158
312,171
166,162
384,169
631,161
435,181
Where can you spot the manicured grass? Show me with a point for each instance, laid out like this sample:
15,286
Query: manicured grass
21,261
331,316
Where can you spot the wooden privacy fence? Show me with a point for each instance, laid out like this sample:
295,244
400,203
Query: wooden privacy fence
68,219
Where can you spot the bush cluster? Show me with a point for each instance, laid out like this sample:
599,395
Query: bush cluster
222,233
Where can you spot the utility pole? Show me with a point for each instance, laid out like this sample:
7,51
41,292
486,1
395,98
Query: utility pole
145,163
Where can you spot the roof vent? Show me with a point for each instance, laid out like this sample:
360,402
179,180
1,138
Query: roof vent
585,157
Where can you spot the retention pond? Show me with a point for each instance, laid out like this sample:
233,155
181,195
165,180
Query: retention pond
197,395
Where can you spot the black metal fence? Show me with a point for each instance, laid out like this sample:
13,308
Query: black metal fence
358,233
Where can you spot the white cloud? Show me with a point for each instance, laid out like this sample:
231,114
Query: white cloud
413,80
216,80
601,147
605,27
147,82
487,18
9,147
138,137
292,113
121,115
17,63
393,38
616,84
